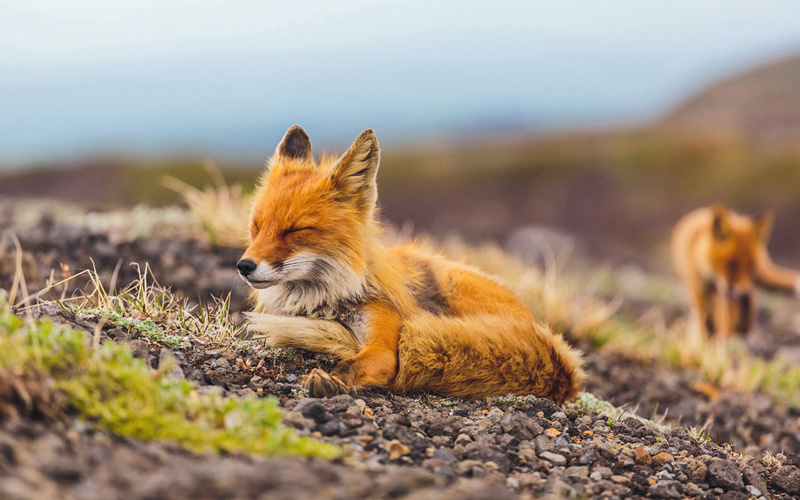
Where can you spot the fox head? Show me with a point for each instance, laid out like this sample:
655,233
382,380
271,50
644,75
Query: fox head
736,242
311,224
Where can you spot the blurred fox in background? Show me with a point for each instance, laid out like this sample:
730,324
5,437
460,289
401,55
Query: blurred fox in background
720,255
403,318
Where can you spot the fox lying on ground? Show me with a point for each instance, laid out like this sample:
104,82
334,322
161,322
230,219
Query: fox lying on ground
720,255
402,318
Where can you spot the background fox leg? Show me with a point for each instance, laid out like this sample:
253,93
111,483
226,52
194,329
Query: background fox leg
374,366
701,307
745,312
722,316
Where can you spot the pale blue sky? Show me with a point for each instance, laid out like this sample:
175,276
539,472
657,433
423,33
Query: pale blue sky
226,78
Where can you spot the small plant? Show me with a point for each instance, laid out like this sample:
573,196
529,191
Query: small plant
700,434
155,312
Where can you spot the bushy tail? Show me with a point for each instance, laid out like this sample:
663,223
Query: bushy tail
775,277
486,355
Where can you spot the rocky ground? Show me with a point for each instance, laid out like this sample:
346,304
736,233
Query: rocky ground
415,447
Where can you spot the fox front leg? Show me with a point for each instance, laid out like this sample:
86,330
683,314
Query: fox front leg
315,335
374,366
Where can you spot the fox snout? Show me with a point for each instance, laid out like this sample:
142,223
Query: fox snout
303,266
259,275
246,266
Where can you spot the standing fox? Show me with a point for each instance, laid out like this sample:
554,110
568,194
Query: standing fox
401,318
720,255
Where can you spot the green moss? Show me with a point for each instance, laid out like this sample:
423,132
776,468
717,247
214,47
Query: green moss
144,326
120,394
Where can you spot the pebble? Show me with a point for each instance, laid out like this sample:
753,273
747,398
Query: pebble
697,470
787,478
463,440
753,490
664,489
554,458
577,471
641,456
663,458
725,474
495,415
396,449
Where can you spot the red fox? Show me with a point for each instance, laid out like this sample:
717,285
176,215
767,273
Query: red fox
402,318
720,255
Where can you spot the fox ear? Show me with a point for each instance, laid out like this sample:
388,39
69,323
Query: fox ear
762,225
719,226
295,145
355,171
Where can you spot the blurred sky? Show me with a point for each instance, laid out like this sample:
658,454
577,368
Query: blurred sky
226,78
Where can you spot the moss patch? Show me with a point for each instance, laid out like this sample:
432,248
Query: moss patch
120,394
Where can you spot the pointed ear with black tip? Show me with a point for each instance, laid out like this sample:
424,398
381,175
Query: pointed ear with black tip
295,145
355,171
719,226
762,225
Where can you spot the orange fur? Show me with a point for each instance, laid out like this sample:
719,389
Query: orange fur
404,317
720,255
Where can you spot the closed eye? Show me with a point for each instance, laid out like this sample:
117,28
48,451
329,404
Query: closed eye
298,229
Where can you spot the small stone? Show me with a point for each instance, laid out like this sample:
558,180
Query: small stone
588,456
62,470
724,474
663,458
551,432
332,428
541,444
604,472
491,466
734,495
595,476
463,440
697,471
787,478
495,415
312,409
620,479
467,467
554,458
297,420
641,456
512,483
14,488
396,449
664,489
753,491
577,471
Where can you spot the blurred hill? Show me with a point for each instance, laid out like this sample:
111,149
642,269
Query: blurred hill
619,191
761,105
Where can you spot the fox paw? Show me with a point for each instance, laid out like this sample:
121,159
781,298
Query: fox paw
323,385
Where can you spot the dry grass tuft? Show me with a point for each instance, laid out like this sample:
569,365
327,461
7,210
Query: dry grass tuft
220,208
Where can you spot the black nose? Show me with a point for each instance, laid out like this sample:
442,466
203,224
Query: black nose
246,266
